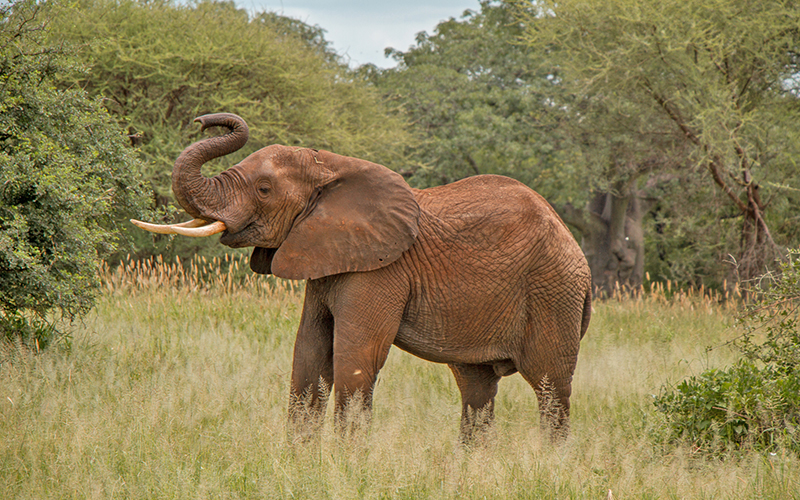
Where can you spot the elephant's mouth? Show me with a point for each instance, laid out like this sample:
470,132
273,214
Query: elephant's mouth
238,239
261,260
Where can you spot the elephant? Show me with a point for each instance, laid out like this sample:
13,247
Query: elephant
480,274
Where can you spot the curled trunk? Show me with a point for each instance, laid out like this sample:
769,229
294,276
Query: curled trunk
198,195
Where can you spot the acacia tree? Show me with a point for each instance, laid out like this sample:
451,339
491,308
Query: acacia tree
159,64
718,76
66,178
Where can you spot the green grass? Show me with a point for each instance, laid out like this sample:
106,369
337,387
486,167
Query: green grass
172,389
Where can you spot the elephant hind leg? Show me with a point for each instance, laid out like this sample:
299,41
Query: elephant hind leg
478,386
550,372
554,407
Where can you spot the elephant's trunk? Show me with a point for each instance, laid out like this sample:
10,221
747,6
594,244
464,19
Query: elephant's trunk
198,195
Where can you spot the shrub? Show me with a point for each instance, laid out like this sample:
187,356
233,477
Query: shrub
744,405
66,178
774,317
756,402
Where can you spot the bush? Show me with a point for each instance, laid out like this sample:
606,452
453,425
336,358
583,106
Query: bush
66,179
742,406
774,317
30,331
756,402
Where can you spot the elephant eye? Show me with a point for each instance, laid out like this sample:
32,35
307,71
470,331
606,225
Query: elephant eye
263,190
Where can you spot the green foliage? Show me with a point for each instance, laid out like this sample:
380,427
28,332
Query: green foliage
744,405
66,179
31,331
702,90
159,64
721,78
691,232
772,330
756,402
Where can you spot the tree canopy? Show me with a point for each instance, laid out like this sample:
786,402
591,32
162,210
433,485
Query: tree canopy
477,100
719,78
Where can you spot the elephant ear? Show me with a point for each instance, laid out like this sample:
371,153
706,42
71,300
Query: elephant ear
362,219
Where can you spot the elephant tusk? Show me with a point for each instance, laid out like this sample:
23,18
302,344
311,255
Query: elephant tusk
153,228
167,228
192,223
199,232
196,227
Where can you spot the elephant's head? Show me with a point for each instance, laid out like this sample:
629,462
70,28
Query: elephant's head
308,213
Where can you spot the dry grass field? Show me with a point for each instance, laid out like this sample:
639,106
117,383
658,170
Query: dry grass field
177,385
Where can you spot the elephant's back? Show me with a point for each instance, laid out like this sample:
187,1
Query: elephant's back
492,199
500,222
451,197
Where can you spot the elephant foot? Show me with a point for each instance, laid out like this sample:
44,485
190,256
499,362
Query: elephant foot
556,430
307,414
553,413
477,426
353,417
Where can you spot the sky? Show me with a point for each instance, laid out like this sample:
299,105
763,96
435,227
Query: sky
359,30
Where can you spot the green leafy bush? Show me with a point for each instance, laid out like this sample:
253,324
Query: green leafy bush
67,177
756,402
740,406
29,330
774,318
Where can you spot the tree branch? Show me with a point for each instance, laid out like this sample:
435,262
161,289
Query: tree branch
572,216
473,164
673,114
714,168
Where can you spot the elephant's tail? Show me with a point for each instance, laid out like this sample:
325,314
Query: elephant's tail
587,311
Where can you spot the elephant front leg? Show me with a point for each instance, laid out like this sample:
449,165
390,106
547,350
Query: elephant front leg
312,373
359,352
478,386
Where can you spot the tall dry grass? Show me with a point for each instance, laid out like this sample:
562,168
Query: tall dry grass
177,387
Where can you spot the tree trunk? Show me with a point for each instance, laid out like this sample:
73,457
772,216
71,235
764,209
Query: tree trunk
758,251
612,239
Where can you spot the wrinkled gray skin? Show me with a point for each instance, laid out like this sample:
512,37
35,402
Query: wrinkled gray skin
480,274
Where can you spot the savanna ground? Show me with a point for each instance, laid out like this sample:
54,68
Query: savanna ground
177,389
